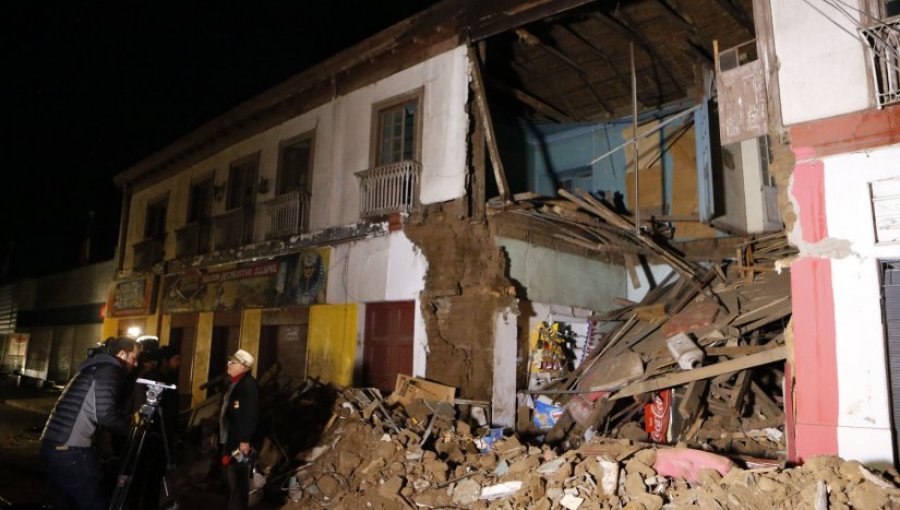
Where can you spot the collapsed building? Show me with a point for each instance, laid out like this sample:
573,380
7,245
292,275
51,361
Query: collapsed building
394,210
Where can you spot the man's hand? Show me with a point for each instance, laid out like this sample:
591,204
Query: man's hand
245,448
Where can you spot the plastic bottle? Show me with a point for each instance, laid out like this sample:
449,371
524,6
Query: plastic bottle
685,351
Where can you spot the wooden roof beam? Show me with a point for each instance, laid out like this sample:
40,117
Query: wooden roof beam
522,68
623,24
533,40
737,12
599,51
678,13
539,105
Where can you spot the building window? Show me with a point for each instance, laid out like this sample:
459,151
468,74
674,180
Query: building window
886,209
193,238
398,130
295,166
242,182
288,213
155,223
201,198
149,250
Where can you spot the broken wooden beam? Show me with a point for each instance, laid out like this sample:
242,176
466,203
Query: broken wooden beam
678,378
484,115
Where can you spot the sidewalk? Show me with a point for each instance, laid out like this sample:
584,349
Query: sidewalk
36,400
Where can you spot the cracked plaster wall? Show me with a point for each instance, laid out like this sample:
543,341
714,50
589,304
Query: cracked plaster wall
836,224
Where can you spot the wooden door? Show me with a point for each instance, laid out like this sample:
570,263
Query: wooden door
388,348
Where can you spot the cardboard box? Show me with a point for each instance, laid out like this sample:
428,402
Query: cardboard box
410,389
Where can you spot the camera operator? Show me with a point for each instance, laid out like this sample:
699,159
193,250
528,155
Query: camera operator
90,400
150,471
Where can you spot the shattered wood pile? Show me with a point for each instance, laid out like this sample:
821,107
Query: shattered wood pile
378,456
697,361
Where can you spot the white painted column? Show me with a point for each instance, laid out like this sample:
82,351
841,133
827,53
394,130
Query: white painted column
503,400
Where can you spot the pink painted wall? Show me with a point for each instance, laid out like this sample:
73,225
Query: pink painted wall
814,399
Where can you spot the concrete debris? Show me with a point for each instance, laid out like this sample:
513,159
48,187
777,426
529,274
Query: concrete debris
571,502
501,490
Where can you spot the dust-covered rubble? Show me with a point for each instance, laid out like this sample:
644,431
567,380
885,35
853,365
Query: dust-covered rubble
366,464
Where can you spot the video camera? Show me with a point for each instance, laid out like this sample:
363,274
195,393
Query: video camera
155,389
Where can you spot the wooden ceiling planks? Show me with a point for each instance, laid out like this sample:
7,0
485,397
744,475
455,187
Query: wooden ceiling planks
578,61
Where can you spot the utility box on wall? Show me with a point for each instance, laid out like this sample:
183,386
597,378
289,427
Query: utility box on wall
749,198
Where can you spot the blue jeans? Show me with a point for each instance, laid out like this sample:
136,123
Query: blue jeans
75,478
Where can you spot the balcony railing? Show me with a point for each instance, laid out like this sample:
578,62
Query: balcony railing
233,229
388,189
192,239
287,214
884,46
148,252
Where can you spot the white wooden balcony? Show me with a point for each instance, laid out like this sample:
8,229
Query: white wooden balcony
388,188
286,215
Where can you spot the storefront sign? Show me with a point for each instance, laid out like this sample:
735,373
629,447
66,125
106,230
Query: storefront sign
132,297
293,280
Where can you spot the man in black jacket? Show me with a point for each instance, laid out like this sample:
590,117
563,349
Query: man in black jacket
90,400
237,427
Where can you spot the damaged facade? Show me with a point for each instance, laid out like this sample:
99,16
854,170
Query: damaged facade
390,211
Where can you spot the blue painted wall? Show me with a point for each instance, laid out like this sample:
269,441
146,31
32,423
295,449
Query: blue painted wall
560,152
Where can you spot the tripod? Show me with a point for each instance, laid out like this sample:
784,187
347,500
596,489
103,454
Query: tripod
147,413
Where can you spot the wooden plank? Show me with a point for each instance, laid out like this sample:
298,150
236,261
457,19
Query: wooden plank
653,312
734,352
765,403
631,264
690,404
539,105
485,116
679,378
529,38
479,145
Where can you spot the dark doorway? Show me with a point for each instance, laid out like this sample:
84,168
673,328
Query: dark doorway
890,297
268,349
183,338
388,349
225,341
283,341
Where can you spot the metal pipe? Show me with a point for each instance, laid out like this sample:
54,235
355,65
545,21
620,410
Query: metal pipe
646,133
634,125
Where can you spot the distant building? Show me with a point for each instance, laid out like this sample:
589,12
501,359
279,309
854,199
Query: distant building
51,321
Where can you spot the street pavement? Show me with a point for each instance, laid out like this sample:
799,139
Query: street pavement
23,412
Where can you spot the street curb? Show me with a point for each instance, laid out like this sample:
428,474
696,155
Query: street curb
28,406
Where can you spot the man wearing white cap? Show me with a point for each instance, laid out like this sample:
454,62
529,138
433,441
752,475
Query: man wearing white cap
237,427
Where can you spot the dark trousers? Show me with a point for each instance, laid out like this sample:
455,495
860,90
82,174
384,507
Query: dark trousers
238,478
75,477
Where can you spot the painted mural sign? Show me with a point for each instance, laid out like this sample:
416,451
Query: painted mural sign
298,279
132,297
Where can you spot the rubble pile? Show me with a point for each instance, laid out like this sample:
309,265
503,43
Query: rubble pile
698,361
375,456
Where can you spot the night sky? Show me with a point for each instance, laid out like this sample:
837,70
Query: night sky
91,88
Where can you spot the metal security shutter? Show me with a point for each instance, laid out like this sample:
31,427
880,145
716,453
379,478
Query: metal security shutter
8,309
891,307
